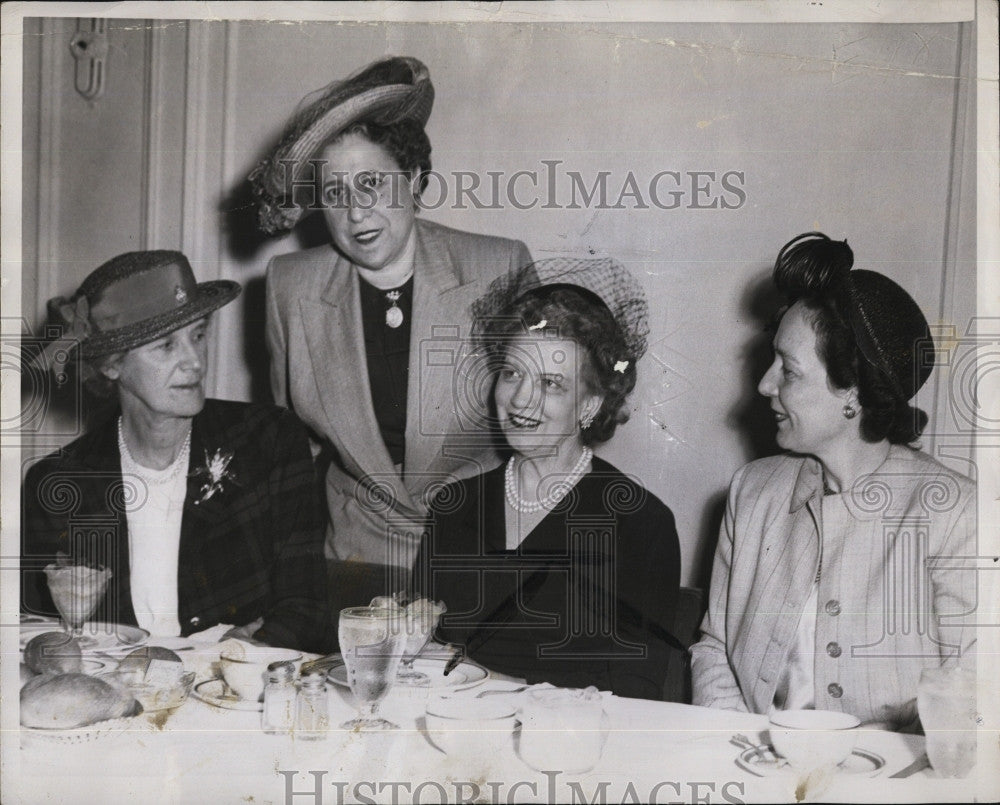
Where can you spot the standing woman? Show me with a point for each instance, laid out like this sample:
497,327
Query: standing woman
352,326
824,591
557,567
205,511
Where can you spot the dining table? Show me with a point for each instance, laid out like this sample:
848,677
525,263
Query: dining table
206,751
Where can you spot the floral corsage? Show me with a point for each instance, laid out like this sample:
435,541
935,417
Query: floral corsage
216,468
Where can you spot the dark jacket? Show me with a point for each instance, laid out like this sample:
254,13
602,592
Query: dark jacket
254,549
585,599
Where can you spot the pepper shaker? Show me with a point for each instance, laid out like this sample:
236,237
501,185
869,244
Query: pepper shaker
313,719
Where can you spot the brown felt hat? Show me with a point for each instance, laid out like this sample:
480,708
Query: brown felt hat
135,298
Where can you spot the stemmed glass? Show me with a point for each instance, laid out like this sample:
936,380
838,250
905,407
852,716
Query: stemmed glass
76,591
371,642
421,620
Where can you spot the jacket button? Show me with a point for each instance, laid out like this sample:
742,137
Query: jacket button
833,649
835,690
832,607
195,621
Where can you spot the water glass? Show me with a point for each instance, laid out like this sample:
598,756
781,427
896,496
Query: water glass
371,642
946,701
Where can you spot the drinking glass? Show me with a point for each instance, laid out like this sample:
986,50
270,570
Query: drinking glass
371,642
76,591
946,701
421,620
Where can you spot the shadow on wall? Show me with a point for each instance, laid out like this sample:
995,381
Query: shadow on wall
750,417
244,241
255,339
238,210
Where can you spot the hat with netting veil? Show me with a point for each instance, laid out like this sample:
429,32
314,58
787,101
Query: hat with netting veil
134,299
605,278
388,91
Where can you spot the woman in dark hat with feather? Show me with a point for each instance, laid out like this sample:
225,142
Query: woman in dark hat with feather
366,334
205,511
824,591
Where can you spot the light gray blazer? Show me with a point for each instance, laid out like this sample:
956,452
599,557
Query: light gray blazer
884,610
319,370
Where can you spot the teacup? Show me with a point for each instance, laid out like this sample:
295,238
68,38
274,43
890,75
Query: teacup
246,676
812,739
562,729
470,728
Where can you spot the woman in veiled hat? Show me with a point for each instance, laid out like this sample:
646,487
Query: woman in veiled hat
557,567
824,591
205,511
365,333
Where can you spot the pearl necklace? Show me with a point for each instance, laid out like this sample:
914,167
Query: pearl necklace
559,491
159,476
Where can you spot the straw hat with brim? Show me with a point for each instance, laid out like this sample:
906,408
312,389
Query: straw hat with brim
386,92
135,298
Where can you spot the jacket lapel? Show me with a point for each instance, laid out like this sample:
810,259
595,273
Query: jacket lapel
102,459
335,339
439,352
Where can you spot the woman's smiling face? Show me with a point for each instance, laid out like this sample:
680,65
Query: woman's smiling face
368,201
808,409
541,393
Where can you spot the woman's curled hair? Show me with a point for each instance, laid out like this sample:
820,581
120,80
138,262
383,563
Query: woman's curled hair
405,141
574,313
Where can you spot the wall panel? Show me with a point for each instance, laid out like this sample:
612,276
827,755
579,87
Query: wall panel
859,130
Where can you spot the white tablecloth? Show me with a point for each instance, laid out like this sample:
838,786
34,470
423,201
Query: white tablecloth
655,751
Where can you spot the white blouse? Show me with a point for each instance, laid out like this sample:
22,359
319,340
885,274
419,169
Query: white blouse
154,534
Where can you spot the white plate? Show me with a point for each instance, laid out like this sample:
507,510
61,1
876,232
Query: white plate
92,666
213,692
92,732
97,636
762,762
464,675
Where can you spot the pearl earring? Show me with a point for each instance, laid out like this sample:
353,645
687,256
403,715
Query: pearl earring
849,411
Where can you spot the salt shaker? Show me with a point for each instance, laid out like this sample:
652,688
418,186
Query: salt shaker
313,719
279,699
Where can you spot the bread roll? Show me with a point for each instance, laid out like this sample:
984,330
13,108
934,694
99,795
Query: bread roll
53,653
73,700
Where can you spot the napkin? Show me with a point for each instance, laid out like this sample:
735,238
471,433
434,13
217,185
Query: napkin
212,635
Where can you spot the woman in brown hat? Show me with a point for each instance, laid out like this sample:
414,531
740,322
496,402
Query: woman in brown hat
822,594
205,511
365,334
556,567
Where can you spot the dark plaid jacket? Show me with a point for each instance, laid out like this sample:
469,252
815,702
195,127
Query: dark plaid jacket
255,549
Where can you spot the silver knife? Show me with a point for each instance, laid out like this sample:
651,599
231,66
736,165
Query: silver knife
919,764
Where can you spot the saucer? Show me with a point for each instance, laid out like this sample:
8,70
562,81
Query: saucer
762,762
213,692
463,676
97,636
